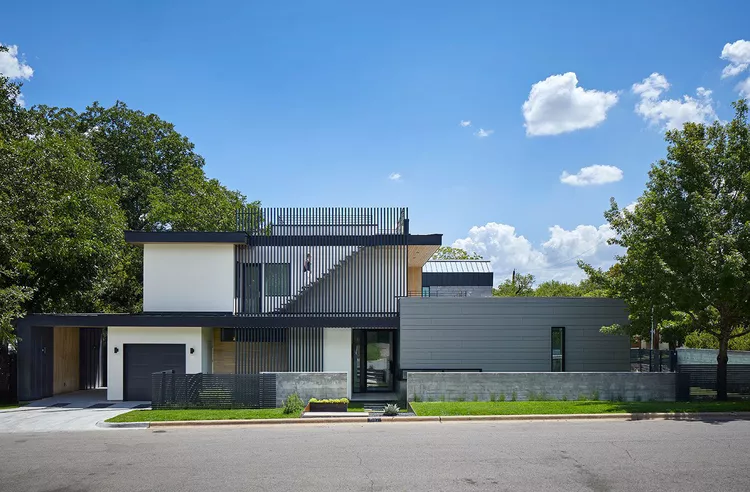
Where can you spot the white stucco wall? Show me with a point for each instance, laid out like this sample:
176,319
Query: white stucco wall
207,350
117,336
188,277
337,353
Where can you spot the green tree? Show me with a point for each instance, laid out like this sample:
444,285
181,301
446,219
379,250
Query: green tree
553,288
448,253
59,225
516,286
687,241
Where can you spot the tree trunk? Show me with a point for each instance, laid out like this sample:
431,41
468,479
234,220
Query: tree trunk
721,367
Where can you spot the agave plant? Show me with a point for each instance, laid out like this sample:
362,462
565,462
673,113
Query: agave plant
390,410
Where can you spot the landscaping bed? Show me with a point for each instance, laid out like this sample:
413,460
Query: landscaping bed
572,407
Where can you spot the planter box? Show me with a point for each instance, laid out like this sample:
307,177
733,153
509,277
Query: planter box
328,407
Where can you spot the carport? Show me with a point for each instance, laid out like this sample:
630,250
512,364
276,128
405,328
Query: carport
54,360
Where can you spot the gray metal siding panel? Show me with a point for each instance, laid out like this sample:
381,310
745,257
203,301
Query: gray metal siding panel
510,334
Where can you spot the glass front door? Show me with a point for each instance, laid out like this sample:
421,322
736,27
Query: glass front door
372,360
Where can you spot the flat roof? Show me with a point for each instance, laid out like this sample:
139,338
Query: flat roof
144,237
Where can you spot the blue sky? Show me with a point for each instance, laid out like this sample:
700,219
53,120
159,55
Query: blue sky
320,103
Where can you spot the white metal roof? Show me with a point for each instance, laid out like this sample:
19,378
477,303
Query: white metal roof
457,266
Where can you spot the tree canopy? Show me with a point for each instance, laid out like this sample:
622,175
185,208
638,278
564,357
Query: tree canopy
71,183
520,285
448,253
687,241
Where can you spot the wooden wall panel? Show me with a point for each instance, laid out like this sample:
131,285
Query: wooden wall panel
65,366
223,354
415,281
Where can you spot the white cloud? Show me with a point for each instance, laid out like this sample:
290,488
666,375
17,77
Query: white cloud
482,133
671,113
592,175
465,123
554,259
738,56
394,176
557,105
12,67
744,87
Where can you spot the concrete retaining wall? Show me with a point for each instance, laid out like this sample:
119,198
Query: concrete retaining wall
488,386
310,385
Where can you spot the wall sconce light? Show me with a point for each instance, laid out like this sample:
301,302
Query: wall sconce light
116,350
192,350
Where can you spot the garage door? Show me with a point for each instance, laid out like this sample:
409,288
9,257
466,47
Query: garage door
142,360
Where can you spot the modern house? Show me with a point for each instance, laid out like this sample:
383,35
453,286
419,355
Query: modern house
306,290
457,278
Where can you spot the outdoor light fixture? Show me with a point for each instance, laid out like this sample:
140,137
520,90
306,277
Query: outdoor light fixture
192,350
116,350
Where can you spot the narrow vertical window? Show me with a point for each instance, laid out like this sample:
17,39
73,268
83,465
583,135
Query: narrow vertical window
558,349
426,291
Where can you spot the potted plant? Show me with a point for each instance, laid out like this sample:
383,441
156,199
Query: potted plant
329,405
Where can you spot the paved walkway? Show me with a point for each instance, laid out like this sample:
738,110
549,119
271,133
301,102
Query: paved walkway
80,410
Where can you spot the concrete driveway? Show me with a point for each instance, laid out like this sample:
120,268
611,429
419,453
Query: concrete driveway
76,411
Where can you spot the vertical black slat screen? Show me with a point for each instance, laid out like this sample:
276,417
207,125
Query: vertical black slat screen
358,261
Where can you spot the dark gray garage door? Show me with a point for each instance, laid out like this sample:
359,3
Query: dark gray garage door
142,360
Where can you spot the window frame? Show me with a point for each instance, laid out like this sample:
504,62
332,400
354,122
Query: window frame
561,357
269,281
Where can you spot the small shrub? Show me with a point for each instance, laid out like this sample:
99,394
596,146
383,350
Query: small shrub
492,397
501,397
595,395
476,397
442,397
416,399
293,404
620,399
565,398
514,396
391,410
429,398
461,398
581,397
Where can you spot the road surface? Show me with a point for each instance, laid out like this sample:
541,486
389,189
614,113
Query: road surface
499,456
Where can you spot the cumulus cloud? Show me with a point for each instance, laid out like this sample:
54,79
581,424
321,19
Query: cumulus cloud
394,176
671,113
465,123
482,133
744,87
12,67
557,105
738,56
554,259
592,175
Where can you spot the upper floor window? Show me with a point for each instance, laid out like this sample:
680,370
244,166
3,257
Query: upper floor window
558,349
277,279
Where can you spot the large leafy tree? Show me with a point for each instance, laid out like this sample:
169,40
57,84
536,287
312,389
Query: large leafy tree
59,225
687,260
449,253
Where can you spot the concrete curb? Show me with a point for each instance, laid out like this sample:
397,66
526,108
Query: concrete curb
123,425
455,418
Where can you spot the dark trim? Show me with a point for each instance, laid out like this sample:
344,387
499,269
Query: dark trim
456,279
143,237
425,239
328,240
212,320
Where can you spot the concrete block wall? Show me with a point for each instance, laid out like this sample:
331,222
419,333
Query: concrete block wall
310,385
486,386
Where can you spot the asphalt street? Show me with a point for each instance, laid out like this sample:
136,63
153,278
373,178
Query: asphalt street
499,456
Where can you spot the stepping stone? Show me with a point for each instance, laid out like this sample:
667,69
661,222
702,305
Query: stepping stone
59,405
143,405
101,405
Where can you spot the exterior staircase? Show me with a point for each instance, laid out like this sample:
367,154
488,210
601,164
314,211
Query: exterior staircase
298,299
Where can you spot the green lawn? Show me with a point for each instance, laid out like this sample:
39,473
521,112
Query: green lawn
199,414
569,407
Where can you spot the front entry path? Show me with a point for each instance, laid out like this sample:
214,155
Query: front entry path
76,411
